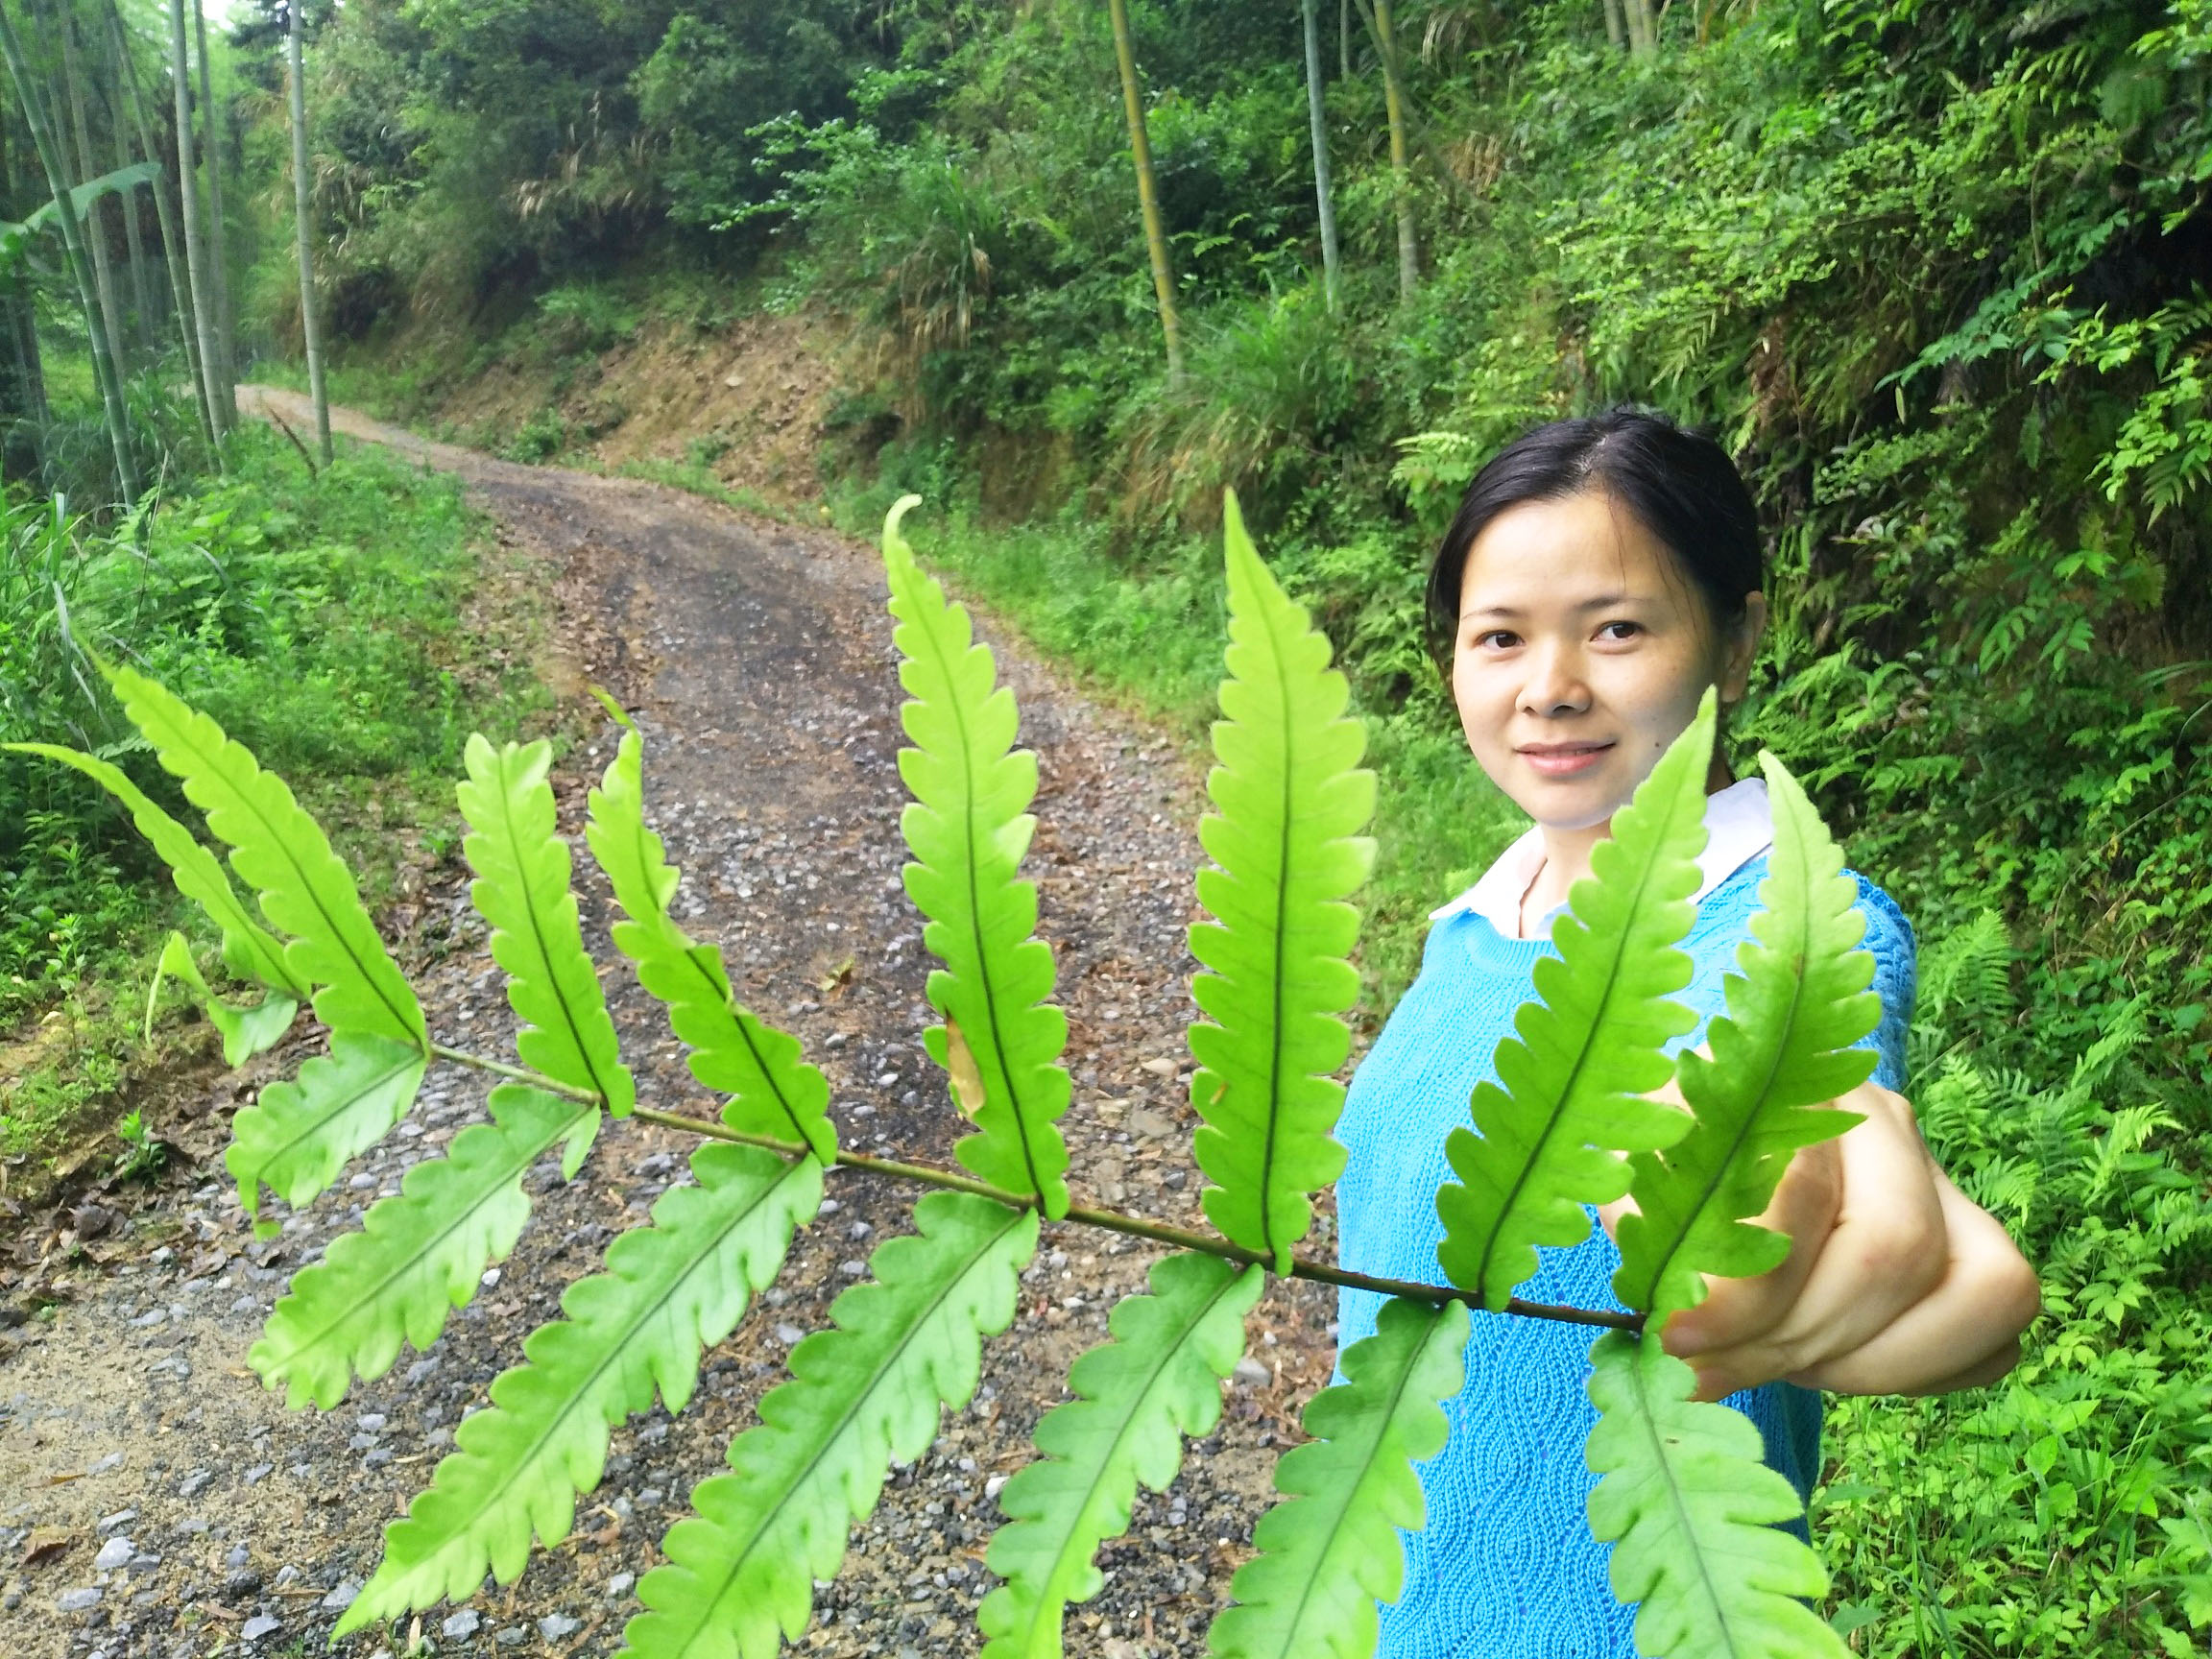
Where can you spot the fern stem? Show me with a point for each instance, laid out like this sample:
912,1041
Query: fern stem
1160,1233
1111,1220
536,1079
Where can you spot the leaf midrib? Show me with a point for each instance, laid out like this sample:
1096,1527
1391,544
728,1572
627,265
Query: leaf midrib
827,1443
616,1351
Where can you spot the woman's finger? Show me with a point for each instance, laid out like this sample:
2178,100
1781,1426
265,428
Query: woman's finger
1804,1208
1963,1334
1886,1252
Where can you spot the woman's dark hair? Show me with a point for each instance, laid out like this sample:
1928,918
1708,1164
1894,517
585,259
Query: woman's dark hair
1680,484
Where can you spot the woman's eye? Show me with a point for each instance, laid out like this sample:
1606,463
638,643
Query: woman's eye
1620,631
1496,639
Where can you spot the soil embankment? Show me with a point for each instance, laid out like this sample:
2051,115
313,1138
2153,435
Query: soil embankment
758,660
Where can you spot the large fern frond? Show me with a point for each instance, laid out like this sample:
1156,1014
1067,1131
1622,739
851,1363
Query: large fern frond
1572,1088
968,828
1782,1049
669,1290
1291,799
1330,1550
418,1255
1138,1397
773,1092
244,1031
521,889
300,1133
248,950
1693,1512
281,851
743,1569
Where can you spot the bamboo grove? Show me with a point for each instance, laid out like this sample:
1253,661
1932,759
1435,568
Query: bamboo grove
152,297
1683,1496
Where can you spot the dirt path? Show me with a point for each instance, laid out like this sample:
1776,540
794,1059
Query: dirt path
758,660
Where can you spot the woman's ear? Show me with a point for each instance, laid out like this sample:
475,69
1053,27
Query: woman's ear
1741,647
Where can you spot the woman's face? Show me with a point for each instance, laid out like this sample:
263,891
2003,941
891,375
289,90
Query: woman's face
1581,653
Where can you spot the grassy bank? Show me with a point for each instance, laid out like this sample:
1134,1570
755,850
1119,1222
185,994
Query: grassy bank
351,628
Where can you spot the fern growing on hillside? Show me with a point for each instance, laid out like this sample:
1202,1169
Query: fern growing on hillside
1569,1124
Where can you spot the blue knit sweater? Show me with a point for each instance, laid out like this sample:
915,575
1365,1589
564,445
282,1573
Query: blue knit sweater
1506,1566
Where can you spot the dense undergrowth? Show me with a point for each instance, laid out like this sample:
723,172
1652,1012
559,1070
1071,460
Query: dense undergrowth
329,617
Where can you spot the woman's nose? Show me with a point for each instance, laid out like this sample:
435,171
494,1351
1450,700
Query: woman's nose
1555,684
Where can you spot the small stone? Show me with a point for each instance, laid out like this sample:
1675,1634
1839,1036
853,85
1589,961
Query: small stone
238,1557
260,1472
113,1553
78,1600
649,1497
259,1625
853,1269
514,1636
419,1372
341,1595
195,1483
108,1522
619,1584
192,1524
287,1575
144,1562
555,1626
242,1583
886,1079
460,1626
1154,1126
1175,1180
1253,1374
993,1486
372,1422
789,1334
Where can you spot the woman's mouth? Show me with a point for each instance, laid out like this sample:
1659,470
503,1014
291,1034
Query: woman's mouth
1562,759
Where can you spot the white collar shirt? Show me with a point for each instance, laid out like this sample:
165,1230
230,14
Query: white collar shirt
1738,826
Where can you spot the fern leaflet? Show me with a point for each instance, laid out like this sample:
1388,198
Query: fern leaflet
296,1137
860,1395
418,1255
669,1290
773,1092
1140,1395
244,1031
248,952
282,852
1691,1513
1571,1086
521,888
968,828
1784,1047
1291,799
1331,1550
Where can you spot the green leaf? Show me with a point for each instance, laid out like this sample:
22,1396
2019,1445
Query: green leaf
1331,1551
1693,1514
1572,1087
418,1255
1782,1048
669,1291
248,950
246,1032
773,1090
1139,1396
299,1134
968,828
521,888
282,852
743,1569
1292,800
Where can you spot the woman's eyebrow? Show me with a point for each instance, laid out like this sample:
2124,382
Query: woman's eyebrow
1602,602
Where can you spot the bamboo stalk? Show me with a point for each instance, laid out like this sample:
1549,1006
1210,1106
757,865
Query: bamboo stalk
1148,196
195,256
218,248
86,169
310,324
1400,173
142,290
1317,120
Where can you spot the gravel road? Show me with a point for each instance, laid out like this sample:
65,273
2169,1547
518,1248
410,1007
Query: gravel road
155,1500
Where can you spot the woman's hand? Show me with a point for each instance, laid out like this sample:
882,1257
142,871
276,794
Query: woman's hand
1895,1282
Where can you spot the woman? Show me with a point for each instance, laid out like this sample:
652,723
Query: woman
1600,576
